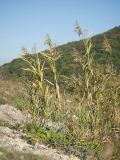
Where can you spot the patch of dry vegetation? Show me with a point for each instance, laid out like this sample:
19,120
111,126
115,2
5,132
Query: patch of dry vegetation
86,110
95,116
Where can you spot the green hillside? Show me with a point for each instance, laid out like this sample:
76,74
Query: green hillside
66,65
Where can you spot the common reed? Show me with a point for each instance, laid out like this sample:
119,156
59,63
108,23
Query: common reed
85,122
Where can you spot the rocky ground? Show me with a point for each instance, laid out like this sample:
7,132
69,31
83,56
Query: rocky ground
13,140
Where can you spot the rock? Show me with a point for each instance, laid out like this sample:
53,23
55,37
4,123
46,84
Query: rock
56,127
11,115
12,139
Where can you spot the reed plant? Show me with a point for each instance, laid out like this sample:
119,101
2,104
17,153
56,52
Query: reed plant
37,88
52,56
86,115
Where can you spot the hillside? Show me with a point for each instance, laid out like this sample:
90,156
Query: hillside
65,64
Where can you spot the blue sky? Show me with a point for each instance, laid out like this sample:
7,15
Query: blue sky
26,22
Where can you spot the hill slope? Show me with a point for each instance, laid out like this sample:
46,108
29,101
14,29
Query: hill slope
66,64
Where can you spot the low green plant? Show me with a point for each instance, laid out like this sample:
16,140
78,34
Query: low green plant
63,141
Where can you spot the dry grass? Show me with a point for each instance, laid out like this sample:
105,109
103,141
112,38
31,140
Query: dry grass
96,114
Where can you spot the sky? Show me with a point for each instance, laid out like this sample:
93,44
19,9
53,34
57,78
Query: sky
25,23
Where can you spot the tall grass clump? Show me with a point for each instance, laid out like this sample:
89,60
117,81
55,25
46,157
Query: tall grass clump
52,56
86,118
37,87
